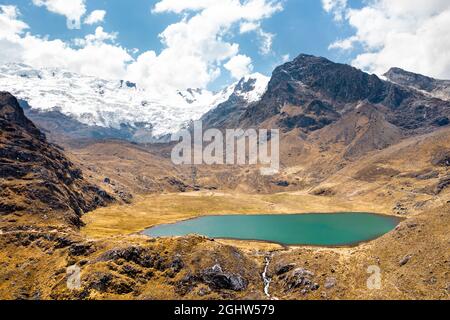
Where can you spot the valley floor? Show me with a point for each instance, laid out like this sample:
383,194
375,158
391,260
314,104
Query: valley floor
151,210
117,263
410,179
412,259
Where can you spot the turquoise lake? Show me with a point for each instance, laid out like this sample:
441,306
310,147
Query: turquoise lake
337,229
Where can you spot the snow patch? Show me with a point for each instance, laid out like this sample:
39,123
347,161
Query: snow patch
114,103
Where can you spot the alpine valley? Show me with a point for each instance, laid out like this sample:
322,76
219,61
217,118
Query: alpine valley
85,168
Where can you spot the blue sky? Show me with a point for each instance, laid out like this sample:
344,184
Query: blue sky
377,35
301,27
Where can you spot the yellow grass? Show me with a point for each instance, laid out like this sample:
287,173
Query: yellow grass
151,210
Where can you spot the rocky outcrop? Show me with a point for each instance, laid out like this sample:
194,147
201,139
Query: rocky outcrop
443,184
285,268
362,130
437,88
441,158
301,280
217,279
36,178
312,93
244,93
137,255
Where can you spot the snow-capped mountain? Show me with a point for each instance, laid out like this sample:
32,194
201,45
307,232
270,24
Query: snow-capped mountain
118,105
250,88
240,96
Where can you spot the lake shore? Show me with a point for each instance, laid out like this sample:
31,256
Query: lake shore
152,210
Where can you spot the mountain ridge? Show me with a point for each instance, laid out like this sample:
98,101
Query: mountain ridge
36,178
436,88
311,93
335,156
115,109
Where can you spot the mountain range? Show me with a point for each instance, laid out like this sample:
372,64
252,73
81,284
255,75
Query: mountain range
87,107
79,182
36,178
310,93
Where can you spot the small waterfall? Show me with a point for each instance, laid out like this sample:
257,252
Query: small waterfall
266,279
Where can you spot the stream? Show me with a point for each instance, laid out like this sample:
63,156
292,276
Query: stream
266,279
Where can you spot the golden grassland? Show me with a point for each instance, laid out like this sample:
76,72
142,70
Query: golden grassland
422,236
151,210
34,261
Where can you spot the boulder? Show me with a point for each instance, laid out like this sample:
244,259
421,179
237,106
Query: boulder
301,279
177,264
405,260
283,269
80,249
217,279
135,254
330,283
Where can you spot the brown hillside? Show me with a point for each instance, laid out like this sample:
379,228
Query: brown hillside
36,179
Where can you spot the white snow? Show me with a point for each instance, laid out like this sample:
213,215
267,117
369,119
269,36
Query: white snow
110,103
260,87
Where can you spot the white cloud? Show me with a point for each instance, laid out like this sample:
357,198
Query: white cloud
337,7
178,6
239,66
95,16
344,44
99,36
410,34
266,38
195,51
95,56
97,59
248,27
9,25
266,42
73,10
195,47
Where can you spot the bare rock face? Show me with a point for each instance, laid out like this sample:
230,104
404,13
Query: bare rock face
36,178
330,283
284,268
320,98
437,88
441,158
217,279
301,280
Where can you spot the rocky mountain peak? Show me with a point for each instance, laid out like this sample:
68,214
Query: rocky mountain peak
251,87
36,179
308,59
434,87
235,99
300,88
336,81
403,77
11,112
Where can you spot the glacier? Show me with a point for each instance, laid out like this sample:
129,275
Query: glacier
118,103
